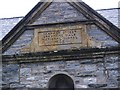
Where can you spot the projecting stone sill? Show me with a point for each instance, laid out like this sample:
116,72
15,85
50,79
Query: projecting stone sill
97,85
87,76
91,53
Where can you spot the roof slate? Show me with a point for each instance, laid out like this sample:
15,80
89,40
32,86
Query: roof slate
6,24
111,15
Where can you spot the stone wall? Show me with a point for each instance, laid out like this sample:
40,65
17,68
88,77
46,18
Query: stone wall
6,24
59,12
94,32
97,34
86,73
22,41
119,17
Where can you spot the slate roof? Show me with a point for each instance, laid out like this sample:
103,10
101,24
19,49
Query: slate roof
6,24
111,14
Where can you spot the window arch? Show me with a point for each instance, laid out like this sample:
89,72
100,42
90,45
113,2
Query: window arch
61,81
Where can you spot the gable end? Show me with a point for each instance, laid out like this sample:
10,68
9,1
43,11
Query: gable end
88,12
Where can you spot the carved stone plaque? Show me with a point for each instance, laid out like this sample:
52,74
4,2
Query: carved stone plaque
59,37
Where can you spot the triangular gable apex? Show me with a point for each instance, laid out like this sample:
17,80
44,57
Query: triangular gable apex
100,21
106,26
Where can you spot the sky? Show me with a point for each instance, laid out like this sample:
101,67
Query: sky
16,8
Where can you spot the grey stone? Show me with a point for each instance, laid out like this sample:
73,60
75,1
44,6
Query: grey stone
97,34
118,78
90,80
95,75
25,72
63,12
112,83
111,15
31,78
111,65
6,24
100,66
113,73
16,85
90,67
87,62
22,41
97,85
10,73
86,73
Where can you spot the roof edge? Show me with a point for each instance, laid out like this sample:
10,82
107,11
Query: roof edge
24,16
106,9
12,17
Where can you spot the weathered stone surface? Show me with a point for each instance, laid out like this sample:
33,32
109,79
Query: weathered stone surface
17,85
60,37
101,72
10,73
22,41
97,85
97,34
25,71
91,67
112,83
83,72
87,62
111,14
56,13
6,24
59,12
112,65
112,59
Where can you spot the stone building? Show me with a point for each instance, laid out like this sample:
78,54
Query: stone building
61,45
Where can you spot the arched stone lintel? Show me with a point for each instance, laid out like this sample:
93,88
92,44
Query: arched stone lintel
61,73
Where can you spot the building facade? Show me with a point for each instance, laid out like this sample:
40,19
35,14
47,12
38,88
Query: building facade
61,45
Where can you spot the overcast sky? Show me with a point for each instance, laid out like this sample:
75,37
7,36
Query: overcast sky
16,8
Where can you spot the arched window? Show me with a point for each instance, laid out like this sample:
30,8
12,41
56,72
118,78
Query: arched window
61,82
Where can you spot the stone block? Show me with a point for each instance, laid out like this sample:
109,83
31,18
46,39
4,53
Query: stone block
111,65
100,67
72,65
10,73
51,67
80,87
97,85
91,67
87,62
112,83
90,80
30,78
63,11
25,72
113,73
17,85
